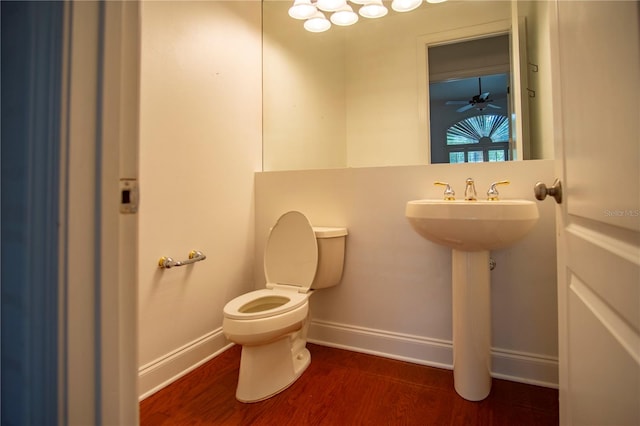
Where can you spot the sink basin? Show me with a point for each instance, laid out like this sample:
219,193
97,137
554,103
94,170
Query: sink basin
472,225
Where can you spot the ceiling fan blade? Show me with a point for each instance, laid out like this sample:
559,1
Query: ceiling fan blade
465,108
456,102
494,106
485,95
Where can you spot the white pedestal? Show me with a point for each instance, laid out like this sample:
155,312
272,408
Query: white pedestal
471,324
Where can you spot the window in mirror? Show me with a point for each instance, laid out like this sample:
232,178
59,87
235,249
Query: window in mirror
480,138
469,100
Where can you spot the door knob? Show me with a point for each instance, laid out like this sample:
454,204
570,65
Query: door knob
541,190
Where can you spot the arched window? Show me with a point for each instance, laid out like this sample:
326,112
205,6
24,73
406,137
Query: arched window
479,138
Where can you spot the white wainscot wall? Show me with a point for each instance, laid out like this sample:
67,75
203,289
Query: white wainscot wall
395,296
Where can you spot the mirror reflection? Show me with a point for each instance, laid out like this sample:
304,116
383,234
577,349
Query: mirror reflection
359,96
469,108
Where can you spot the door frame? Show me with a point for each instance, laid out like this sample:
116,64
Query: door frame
97,244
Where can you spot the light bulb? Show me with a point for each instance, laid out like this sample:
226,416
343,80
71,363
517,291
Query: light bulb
330,5
373,9
317,23
405,5
302,9
344,16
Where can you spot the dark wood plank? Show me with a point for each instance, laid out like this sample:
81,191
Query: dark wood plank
346,388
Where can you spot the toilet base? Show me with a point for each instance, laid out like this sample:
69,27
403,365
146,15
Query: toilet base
266,370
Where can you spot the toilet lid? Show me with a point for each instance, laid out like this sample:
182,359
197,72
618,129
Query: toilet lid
291,254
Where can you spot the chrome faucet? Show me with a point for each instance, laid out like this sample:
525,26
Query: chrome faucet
470,190
492,193
449,193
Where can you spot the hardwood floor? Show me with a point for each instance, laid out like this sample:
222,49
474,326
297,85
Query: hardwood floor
346,388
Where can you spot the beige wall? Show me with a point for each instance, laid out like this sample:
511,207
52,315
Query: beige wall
200,143
303,94
395,295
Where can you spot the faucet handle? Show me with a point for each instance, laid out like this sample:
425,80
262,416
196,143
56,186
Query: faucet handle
449,193
492,193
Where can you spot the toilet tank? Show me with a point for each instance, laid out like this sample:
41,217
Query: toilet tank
331,245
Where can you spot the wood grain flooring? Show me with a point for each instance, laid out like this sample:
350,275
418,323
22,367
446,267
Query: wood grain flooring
346,388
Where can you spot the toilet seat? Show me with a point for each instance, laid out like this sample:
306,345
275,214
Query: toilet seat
264,303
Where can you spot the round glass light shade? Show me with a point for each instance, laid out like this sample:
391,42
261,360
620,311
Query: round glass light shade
330,5
359,1
344,16
405,5
317,23
436,1
373,9
302,9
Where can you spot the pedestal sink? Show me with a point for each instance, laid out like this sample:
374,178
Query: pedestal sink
471,229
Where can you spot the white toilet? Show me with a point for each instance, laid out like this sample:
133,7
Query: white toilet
271,324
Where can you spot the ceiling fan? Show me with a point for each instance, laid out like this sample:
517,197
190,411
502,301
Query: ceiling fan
479,101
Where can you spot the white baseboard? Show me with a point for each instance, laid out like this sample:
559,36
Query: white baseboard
534,369
404,347
510,365
161,372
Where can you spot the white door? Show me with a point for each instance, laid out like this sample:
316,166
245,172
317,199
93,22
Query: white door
596,119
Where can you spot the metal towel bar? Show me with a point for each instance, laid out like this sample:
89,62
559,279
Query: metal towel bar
194,256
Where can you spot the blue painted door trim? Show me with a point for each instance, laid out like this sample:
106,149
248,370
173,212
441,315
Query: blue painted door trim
32,38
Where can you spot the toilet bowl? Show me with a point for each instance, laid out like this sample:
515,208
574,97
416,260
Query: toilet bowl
271,324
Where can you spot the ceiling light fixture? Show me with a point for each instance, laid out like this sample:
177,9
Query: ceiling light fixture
302,9
373,9
330,5
344,16
317,23
405,5
342,13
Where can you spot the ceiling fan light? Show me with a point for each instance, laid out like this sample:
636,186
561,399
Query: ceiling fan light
317,23
302,9
330,5
405,5
373,9
344,16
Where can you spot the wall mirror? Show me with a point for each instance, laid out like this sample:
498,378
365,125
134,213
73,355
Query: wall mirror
359,96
